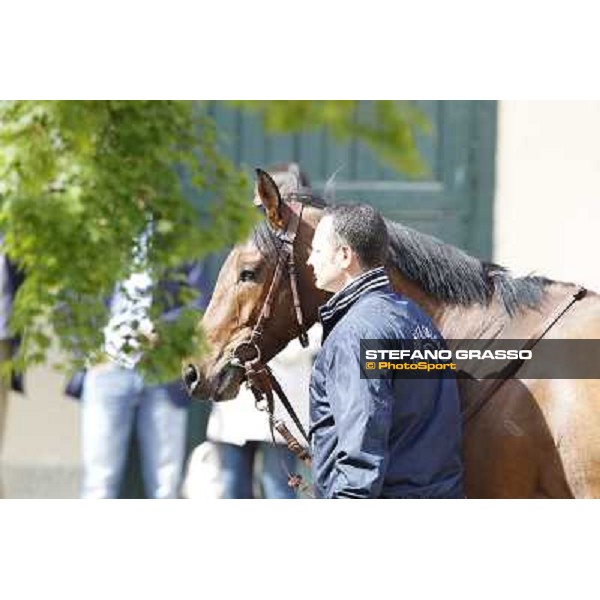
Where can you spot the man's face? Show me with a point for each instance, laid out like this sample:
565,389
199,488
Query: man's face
328,257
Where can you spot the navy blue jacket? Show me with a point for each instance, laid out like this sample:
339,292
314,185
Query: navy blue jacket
380,438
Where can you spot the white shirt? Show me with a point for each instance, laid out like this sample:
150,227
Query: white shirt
130,307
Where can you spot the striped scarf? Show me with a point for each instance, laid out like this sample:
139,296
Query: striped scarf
339,304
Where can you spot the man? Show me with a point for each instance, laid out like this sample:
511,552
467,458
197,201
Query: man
116,398
374,438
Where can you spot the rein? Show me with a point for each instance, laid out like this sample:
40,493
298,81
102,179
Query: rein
247,354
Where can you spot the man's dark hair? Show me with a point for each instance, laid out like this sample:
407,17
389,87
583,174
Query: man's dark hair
363,229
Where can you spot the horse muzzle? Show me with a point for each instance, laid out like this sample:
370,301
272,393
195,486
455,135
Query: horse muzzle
224,385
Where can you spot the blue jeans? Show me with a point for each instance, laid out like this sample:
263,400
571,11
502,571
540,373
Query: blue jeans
114,401
237,470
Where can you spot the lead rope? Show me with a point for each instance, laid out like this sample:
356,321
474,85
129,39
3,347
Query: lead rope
260,381
295,480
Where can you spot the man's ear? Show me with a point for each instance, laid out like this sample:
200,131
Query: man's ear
347,256
267,194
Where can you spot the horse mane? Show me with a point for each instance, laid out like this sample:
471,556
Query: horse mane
451,275
443,271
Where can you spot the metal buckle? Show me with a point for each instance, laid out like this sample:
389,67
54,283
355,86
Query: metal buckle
239,360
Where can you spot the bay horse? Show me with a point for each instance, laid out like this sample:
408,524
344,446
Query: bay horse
528,438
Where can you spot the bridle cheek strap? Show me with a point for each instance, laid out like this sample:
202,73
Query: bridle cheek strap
247,355
285,258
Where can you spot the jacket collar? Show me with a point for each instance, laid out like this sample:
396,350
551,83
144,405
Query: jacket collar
339,304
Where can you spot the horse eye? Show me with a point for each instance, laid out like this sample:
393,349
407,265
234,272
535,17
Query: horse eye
247,275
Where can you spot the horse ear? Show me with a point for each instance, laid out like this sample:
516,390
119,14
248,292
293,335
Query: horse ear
268,196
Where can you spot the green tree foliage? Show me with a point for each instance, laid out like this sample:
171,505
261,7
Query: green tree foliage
389,127
79,179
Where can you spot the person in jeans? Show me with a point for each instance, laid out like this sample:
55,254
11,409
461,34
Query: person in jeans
116,399
250,465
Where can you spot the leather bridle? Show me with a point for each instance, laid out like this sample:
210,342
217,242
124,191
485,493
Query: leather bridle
247,354
248,351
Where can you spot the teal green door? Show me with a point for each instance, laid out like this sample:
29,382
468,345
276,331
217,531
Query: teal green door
454,202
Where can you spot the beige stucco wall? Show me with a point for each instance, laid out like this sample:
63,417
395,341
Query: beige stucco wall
547,205
41,456
54,418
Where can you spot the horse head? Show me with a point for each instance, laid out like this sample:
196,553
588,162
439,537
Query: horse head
244,283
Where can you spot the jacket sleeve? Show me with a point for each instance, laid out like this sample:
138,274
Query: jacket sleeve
362,410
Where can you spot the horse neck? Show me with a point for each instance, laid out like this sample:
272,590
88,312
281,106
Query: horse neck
454,321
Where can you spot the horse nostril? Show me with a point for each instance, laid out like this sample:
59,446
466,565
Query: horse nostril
190,377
